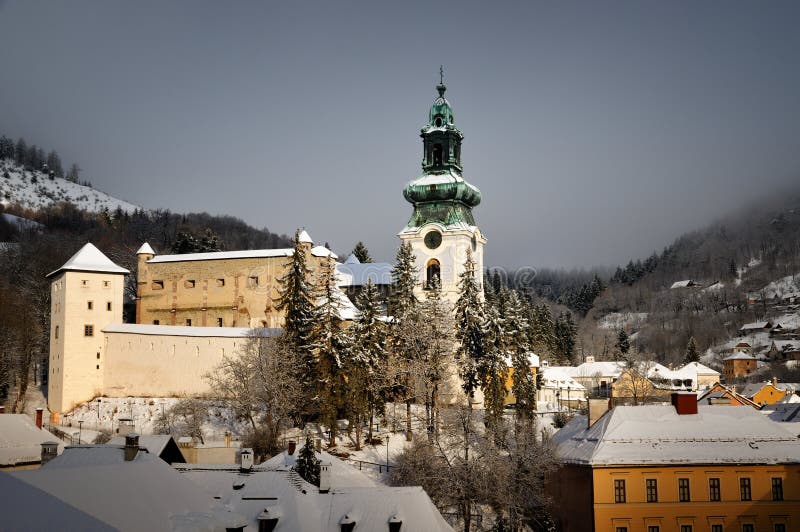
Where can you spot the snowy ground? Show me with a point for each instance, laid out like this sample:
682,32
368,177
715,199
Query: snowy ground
618,320
35,190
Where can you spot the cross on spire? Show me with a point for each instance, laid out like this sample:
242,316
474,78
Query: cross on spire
441,75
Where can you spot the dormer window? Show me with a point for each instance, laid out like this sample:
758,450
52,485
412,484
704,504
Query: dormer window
438,121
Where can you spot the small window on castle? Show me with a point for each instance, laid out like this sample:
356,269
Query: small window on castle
84,282
252,282
98,356
56,331
219,322
98,366
157,285
89,305
188,322
106,284
108,306
156,322
189,283
88,330
220,282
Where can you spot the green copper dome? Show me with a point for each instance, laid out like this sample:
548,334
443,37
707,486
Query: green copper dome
441,195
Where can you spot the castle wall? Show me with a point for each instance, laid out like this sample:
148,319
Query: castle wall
165,365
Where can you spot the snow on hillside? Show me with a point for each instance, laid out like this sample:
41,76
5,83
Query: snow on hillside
618,320
35,190
781,288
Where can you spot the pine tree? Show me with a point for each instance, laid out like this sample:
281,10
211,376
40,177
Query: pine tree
523,383
492,369
332,344
469,319
623,342
404,279
54,164
297,299
20,152
692,354
6,148
733,271
366,367
362,253
541,331
74,173
307,464
565,332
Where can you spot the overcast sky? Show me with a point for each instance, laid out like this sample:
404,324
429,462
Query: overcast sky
596,131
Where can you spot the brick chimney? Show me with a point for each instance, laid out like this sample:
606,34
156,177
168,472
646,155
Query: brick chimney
131,446
291,447
684,403
227,439
324,477
774,382
39,412
597,409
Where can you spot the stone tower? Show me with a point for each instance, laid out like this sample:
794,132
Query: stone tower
442,228
86,296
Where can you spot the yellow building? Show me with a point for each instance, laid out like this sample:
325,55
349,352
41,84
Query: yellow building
218,289
660,468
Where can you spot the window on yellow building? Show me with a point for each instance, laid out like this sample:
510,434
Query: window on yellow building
189,283
56,332
748,527
156,322
653,528
619,491
219,322
108,306
652,490
683,492
220,282
777,489
188,322
622,529
157,285
105,284
779,527
744,489
89,305
713,490
716,528
686,528
88,330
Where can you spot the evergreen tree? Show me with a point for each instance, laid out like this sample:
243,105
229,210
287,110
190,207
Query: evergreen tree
623,342
366,368
362,253
6,148
565,332
54,164
74,173
733,271
187,242
541,331
307,464
404,279
692,354
523,383
332,344
492,369
21,152
297,299
469,318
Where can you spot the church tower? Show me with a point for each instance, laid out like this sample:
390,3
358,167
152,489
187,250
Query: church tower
442,228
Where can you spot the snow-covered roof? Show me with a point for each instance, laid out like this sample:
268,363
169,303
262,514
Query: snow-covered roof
756,325
343,308
274,487
89,259
738,355
21,439
357,273
658,435
304,237
533,360
611,369
154,443
107,492
555,377
352,259
318,251
682,284
698,369
145,249
181,330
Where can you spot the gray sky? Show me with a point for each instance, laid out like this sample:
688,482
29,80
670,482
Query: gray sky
596,131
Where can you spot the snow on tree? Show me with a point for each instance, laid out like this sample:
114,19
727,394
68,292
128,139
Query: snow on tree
565,332
469,318
623,342
523,382
492,370
6,148
404,279
692,354
307,464
297,298
362,253
541,330
366,368
332,343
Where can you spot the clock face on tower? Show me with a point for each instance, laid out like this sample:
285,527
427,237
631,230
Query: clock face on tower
433,239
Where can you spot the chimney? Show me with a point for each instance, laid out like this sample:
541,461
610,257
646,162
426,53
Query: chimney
39,417
774,382
318,444
227,439
395,523
245,459
49,451
597,409
684,403
590,359
268,519
291,448
131,446
324,477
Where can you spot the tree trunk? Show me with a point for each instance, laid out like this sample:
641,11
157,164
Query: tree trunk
409,435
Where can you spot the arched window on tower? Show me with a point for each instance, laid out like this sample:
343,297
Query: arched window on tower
432,270
437,154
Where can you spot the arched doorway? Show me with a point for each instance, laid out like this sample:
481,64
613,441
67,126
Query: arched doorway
432,270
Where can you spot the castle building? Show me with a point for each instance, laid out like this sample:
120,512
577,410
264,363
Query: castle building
194,309
442,228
